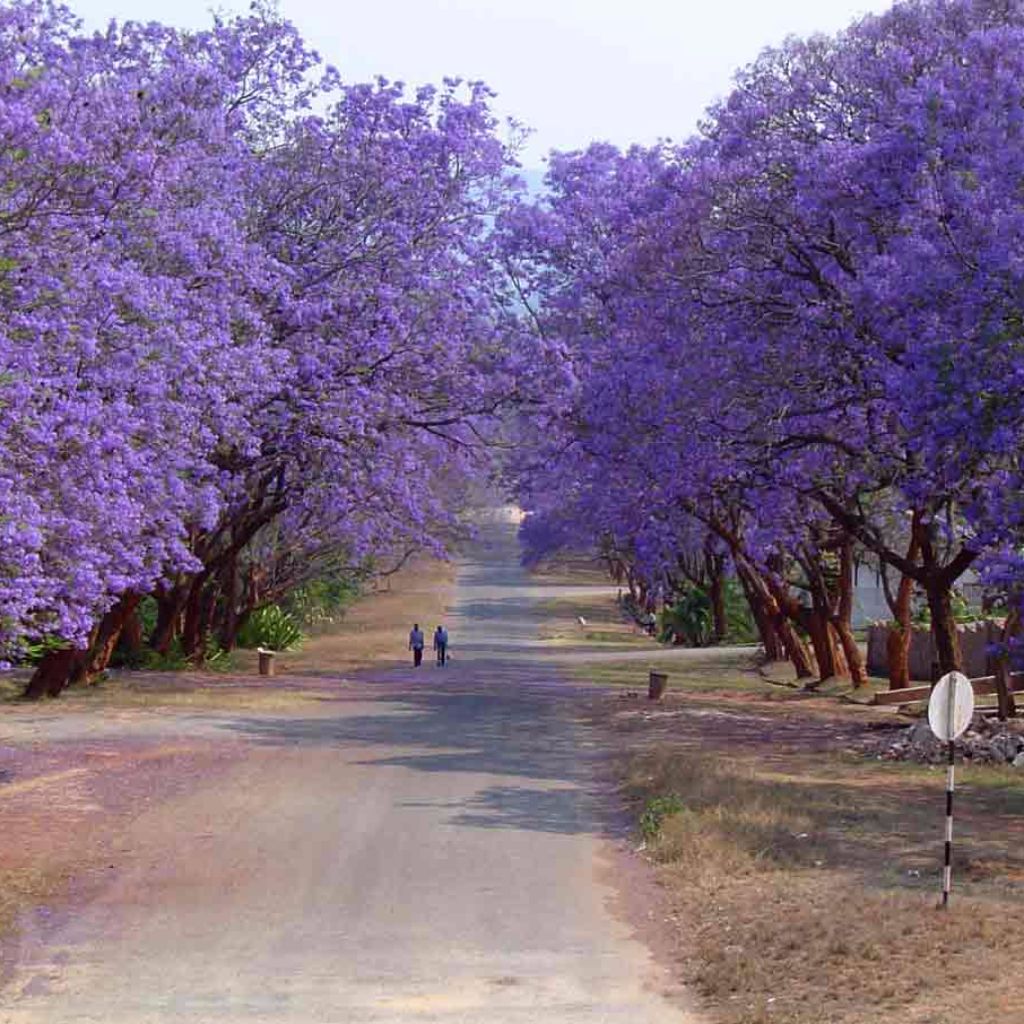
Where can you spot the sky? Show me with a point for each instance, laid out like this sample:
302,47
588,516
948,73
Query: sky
573,71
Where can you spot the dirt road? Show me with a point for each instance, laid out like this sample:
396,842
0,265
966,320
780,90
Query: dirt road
425,845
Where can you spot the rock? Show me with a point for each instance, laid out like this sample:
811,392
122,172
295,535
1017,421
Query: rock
1003,748
920,732
987,741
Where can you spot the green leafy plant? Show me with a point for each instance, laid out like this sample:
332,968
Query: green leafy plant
271,627
32,653
961,608
175,660
322,601
215,657
740,627
655,811
689,618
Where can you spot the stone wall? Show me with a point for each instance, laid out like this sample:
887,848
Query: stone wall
975,638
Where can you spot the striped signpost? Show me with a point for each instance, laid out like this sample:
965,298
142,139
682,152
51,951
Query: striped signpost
950,710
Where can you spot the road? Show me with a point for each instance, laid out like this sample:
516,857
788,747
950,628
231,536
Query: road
433,848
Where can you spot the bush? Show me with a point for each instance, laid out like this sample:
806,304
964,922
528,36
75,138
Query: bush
322,601
215,658
740,627
656,810
689,618
271,627
961,607
32,653
175,660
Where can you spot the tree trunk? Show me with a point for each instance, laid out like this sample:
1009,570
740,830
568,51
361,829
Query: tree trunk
1004,680
838,652
947,643
228,634
820,619
822,643
169,604
791,612
228,631
774,649
796,649
208,619
843,619
192,627
230,642
852,653
131,633
897,643
901,634
770,639
1004,691
897,655
102,647
716,592
53,673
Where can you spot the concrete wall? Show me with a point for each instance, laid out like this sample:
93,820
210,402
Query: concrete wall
870,605
975,637
869,602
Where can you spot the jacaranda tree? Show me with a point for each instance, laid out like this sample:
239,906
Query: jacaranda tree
802,328
251,319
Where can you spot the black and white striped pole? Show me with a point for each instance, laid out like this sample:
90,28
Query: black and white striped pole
950,709
947,870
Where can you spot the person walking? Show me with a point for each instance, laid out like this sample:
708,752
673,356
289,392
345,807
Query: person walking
441,644
416,645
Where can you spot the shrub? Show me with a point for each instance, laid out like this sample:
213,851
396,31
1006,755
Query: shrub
271,627
690,618
322,601
740,627
32,653
175,660
655,811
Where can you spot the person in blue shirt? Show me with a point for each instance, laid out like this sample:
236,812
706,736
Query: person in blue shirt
441,644
416,645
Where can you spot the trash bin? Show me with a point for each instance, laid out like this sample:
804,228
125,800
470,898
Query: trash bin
266,662
657,682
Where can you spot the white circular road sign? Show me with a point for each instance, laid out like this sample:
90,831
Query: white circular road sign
951,706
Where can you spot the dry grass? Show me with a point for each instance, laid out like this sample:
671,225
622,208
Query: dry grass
574,570
605,623
190,691
376,629
805,888
692,673
374,632
801,880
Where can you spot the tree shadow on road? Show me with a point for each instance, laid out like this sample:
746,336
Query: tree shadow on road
513,736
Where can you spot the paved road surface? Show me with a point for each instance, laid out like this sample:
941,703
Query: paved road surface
428,853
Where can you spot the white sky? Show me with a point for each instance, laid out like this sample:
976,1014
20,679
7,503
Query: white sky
573,70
